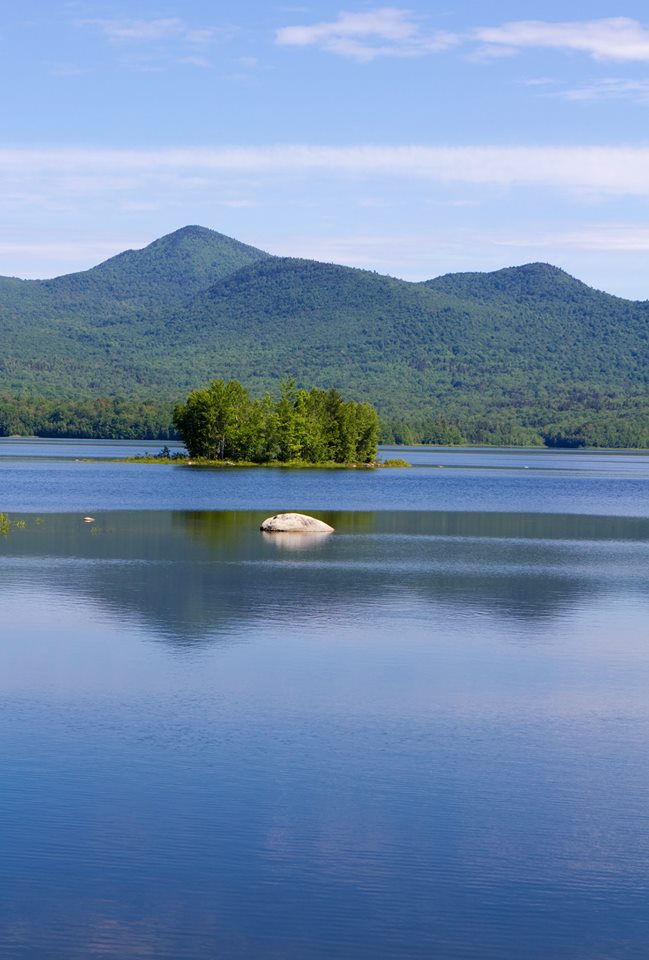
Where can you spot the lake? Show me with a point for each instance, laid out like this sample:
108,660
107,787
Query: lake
424,736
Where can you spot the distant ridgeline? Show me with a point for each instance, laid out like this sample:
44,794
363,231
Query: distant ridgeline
523,355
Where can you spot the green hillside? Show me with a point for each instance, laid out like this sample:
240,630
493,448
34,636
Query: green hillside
524,354
166,272
96,331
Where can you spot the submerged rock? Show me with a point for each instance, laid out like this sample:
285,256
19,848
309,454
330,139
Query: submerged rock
295,523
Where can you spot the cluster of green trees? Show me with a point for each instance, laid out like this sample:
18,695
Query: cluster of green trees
433,430
570,418
223,422
101,418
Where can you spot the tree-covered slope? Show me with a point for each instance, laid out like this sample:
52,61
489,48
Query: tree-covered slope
95,331
167,271
557,327
131,284
539,281
324,324
520,353
403,344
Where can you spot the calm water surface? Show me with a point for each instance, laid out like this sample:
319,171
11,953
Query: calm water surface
53,476
422,737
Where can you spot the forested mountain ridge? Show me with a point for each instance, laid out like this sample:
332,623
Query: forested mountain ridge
164,273
167,271
94,332
537,280
518,355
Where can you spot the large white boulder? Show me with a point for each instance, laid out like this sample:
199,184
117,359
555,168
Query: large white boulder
295,523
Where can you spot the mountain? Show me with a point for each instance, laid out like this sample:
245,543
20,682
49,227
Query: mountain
515,355
166,272
93,331
537,280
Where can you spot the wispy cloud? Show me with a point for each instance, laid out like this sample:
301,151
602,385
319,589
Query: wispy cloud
611,88
149,45
366,35
65,70
194,61
540,82
596,170
614,38
396,32
417,256
145,31
240,204
613,237
62,250
414,256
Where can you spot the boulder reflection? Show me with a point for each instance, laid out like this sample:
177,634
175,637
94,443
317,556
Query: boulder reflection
295,542
197,576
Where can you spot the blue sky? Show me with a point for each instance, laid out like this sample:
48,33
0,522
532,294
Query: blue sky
414,139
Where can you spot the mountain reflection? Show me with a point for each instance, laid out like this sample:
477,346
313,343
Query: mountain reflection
194,576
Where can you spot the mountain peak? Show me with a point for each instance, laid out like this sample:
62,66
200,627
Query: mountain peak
203,243
194,229
172,267
533,280
195,232
537,268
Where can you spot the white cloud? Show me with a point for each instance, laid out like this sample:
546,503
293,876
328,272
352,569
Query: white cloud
492,52
147,46
364,36
539,82
195,61
57,250
366,251
396,32
66,70
611,237
598,254
139,206
615,38
411,256
611,88
594,170
150,30
240,204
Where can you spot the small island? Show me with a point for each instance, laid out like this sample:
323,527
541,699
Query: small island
223,424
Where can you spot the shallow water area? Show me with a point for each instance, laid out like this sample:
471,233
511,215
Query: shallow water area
422,736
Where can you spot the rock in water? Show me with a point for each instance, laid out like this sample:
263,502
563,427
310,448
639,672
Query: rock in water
295,523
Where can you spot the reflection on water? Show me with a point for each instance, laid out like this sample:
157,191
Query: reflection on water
191,576
422,736
293,541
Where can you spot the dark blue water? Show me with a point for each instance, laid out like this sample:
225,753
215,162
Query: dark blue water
52,476
422,737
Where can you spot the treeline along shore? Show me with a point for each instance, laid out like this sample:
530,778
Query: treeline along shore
619,422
